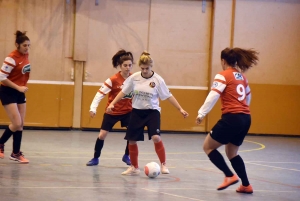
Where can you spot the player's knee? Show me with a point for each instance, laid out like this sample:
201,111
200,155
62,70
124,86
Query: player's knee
156,138
102,136
206,148
17,125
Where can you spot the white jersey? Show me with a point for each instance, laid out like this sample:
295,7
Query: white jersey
146,91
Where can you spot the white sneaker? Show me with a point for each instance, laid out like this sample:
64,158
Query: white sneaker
131,171
164,169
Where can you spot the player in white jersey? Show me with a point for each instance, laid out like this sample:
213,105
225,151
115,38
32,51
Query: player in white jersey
232,86
148,87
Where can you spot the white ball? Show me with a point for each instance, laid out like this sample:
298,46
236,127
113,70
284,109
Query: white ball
152,169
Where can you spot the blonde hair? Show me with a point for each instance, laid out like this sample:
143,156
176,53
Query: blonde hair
145,59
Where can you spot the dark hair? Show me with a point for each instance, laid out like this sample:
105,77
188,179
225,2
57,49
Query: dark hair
120,57
21,37
242,58
145,59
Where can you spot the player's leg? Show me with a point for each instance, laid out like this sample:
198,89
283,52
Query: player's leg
134,133
153,125
124,123
232,153
210,148
98,148
126,157
107,124
219,135
17,155
239,167
133,152
15,119
8,97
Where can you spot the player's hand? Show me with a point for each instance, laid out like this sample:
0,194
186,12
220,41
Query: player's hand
23,89
184,113
92,114
199,120
110,108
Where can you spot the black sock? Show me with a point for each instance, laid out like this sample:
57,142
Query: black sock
239,167
217,159
98,148
6,135
126,149
17,136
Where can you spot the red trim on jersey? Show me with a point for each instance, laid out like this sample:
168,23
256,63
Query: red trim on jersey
222,81
107,85
216,90
4,72
9,64
101,92
248,93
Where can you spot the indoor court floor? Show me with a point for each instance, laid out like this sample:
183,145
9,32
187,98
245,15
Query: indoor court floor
57,170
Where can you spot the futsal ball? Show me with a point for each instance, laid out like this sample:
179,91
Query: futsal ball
152,169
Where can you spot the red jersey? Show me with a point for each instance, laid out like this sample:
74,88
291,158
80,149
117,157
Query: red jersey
16,68
112,86
233,88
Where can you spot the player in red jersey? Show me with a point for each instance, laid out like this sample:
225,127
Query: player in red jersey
14,75
232,86
112,86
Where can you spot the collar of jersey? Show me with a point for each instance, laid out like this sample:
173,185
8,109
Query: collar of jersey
147,77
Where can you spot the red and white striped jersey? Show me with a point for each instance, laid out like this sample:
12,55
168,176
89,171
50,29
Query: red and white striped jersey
112,86
16,68
233,88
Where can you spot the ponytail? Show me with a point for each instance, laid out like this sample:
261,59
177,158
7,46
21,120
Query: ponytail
242,58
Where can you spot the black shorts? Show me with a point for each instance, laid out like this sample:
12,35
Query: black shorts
231,128
9,95
138,120
110,120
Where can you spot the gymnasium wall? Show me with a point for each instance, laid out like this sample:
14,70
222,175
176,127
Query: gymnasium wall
73,42
49,25
272,28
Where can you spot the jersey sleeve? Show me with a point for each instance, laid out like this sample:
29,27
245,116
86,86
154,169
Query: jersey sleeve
104,89
248,92
7,66
163,91
219,84
209,103
128,85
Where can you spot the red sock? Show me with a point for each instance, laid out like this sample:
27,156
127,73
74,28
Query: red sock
160,151
133,153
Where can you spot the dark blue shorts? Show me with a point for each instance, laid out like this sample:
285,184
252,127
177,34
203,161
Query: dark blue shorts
138,120
231,128
9,95
109,120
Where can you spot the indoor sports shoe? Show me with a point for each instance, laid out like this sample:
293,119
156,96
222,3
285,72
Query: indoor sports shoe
1,150
126,159
245,189
164,169
18,157
228,181
131,171
93,161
